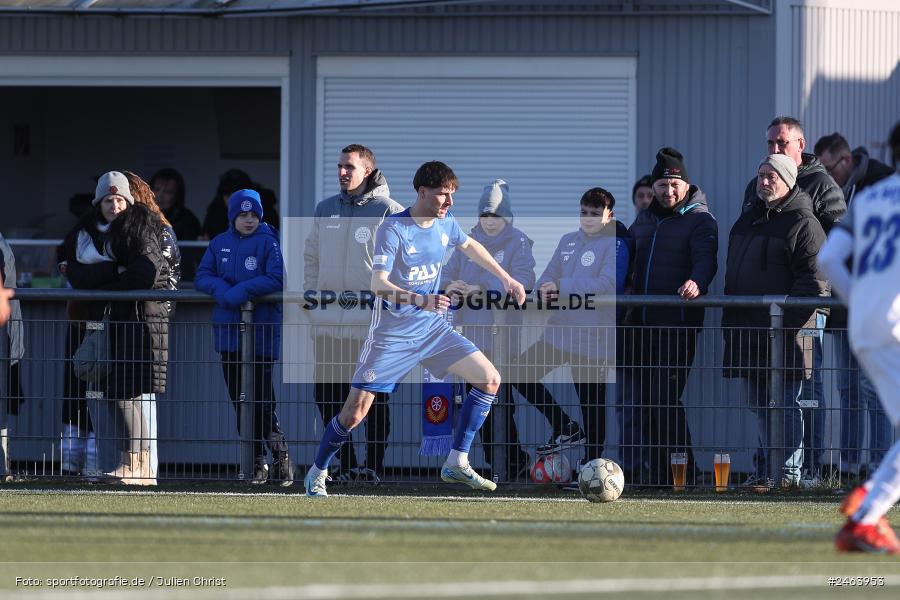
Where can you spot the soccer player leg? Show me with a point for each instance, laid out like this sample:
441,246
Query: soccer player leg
478,371
883,366
337,433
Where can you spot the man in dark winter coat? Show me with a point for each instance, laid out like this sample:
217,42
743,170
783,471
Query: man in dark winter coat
676,241
772,250
785,136
854,171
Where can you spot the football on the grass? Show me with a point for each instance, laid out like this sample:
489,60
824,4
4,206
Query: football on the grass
553,468
601,480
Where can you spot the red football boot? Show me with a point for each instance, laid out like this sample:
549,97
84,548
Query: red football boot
852,503
856,537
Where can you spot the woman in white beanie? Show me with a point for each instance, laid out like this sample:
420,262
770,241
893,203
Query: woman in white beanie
115,246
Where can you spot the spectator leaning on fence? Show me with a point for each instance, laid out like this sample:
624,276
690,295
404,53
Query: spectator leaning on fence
168,244
240,265
469,283
587,263
785,136
676,241
854,172
772,251
338,258
115,247
583,265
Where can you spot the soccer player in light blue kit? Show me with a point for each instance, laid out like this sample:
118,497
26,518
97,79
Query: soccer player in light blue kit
408,327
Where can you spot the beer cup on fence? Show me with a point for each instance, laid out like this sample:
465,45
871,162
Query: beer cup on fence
678,460
722,468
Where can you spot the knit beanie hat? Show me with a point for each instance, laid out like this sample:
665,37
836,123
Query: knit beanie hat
244,201
113,183
669,165
784,166
495,200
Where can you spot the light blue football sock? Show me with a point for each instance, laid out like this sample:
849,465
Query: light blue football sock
335,434
474,411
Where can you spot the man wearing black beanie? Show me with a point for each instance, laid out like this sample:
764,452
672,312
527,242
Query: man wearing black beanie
676,242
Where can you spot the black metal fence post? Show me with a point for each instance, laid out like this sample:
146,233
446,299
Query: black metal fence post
500,450
245,398
775,411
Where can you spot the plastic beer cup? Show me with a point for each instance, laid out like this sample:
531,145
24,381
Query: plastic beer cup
722,468
678,460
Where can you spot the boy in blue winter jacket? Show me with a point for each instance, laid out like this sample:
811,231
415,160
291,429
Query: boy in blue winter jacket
240,265
587,263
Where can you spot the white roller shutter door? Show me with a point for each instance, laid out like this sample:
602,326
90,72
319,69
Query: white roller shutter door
551,127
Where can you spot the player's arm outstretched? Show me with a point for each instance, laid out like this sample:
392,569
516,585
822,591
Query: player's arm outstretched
483,258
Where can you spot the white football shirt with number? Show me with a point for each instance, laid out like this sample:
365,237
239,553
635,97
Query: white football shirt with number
874,306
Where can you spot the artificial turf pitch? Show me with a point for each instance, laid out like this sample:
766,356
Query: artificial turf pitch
412,542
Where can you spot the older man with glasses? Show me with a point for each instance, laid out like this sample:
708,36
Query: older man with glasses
784,135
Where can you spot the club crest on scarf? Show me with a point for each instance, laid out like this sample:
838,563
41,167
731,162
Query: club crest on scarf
436,409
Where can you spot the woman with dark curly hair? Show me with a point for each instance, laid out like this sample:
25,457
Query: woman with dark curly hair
168,243
116,246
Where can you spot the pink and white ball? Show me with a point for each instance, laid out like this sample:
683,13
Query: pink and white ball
551,469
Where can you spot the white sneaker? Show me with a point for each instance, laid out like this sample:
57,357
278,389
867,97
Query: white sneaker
810,480
315,486
468,476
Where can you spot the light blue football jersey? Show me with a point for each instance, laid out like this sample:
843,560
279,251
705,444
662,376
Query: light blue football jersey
413,256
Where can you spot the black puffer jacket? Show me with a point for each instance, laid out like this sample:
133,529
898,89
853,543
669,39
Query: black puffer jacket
139,330
827,198
772,251
672,246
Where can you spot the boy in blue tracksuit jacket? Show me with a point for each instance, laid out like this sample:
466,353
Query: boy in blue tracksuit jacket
461,277
587,263
240,265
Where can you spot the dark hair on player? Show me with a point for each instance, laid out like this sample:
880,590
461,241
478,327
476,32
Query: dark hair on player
435,174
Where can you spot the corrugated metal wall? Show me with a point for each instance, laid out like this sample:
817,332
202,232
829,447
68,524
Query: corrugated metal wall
142,35
697,81
846,67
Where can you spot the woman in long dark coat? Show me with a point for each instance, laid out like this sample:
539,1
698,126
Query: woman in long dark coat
116,246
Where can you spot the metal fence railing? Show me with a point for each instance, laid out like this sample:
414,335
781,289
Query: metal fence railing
663,393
